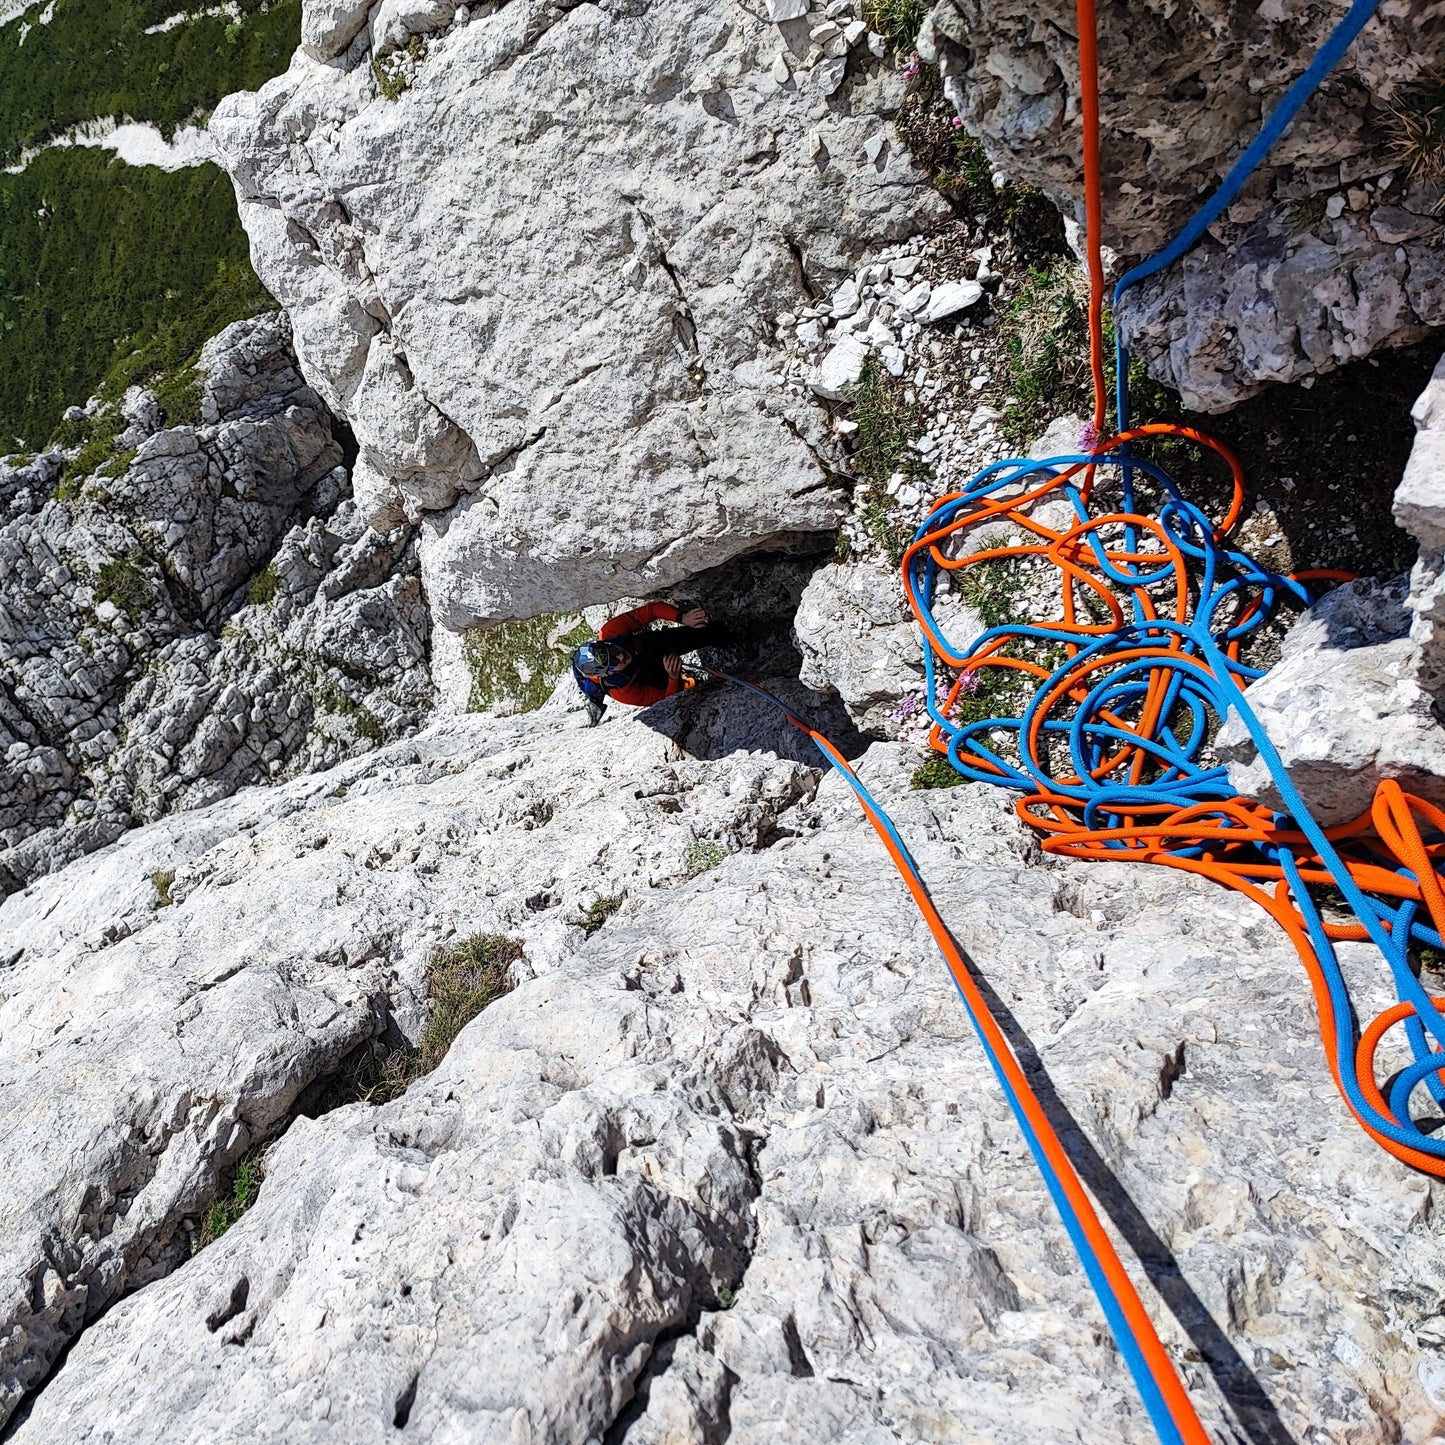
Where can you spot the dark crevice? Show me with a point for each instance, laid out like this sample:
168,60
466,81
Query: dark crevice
404,1403
662,259
715,1423
805,282
512,453
1172,1071
798,1361
240,1293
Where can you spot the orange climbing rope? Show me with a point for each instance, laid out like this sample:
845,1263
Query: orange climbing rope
1159,1384
1131,673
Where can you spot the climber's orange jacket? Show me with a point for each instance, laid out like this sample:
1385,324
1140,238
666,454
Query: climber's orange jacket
644,681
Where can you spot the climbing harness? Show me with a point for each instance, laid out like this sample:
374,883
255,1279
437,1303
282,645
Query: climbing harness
1110,752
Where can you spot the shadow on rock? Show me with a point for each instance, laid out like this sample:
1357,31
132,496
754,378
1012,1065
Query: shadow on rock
715,719
760,594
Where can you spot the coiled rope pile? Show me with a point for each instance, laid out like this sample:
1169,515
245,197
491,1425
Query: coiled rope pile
1126,681
1107,751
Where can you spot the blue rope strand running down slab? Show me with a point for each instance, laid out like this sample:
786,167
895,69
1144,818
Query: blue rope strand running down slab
1280,119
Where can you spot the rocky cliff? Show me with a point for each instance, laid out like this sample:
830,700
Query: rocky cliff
1335,247
595,288
536,255
196,609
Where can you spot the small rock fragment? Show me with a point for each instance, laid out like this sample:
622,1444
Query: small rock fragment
839,369
846,299
828,76
916,299
951,298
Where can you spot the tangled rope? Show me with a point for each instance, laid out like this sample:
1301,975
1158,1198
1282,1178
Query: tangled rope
1112,701
1132,676
1110,748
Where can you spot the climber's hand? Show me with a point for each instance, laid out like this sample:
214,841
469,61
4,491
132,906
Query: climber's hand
672,664
694,617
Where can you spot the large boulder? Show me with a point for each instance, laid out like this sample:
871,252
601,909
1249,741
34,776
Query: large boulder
1343,708
536,257
1330,252
858,641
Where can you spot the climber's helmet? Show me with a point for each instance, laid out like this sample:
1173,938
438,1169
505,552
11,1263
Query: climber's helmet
597,659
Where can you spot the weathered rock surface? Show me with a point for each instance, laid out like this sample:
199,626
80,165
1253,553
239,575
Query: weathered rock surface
1344,709
1329,253
857,640
735,1158
135,676
542,283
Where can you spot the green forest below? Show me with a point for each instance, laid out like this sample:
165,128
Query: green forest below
98,258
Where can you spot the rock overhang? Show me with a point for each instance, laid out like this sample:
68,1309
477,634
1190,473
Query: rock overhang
1330,252
541,283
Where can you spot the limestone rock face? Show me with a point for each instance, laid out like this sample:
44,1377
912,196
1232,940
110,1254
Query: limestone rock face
542,281
857,640
1329,253
1344,708
731,1164
152,657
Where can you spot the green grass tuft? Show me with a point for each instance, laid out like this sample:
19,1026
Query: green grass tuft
117,466
244,1191
1046,341
1307,212
597,913
1417,127
992,589
897,21
887,423
515,665
330,697
391,79
966,178
461,981
703,854
935,771
263,588
161,881
121,582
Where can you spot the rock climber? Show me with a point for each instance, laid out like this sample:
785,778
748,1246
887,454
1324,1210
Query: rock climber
633,664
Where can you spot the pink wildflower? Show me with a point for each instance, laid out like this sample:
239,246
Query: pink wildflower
958,122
